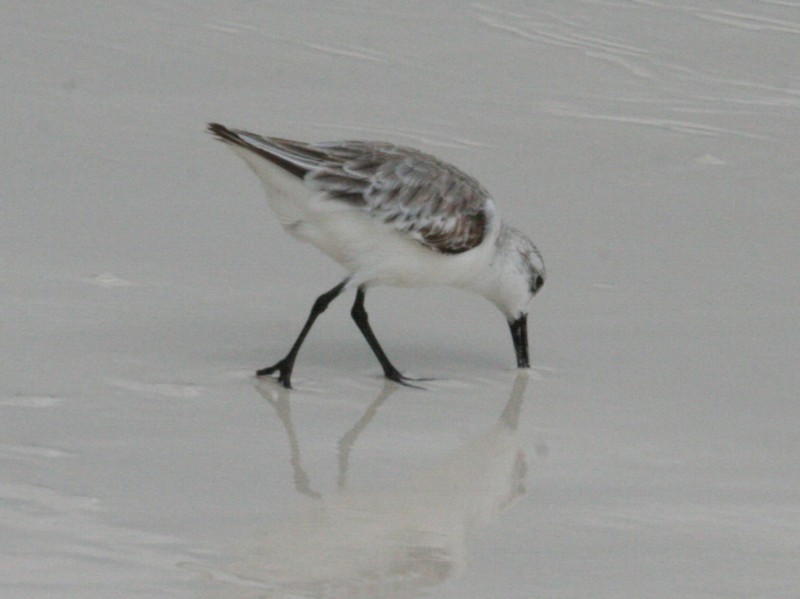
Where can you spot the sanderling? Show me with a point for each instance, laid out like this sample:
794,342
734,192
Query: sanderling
392,215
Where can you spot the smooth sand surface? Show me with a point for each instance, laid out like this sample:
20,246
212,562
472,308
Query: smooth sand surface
650,150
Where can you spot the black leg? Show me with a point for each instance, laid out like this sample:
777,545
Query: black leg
359,314
285,366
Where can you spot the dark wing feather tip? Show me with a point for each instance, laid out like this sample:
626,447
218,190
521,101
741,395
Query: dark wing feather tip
234,136
222,132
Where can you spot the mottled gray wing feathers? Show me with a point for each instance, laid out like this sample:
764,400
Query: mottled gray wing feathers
429,200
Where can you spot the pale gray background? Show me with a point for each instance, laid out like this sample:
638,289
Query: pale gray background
649,148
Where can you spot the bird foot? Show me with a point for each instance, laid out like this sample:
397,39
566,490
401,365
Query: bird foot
284,370
401,379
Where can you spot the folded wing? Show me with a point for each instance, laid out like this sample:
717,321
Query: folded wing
431,201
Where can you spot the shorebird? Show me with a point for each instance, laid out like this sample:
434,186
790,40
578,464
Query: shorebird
391,215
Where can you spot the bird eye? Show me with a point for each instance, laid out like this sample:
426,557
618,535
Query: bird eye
536,283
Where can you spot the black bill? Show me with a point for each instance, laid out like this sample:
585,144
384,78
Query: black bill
519,333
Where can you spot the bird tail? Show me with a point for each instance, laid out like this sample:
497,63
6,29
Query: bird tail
270,149
283,185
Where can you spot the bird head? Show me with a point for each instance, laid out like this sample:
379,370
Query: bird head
518,275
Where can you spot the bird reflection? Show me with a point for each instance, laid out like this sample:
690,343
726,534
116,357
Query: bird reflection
388,543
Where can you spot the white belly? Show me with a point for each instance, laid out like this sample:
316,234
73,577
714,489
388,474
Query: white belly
377,253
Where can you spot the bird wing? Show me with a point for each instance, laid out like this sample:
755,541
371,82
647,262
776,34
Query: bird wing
428,200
